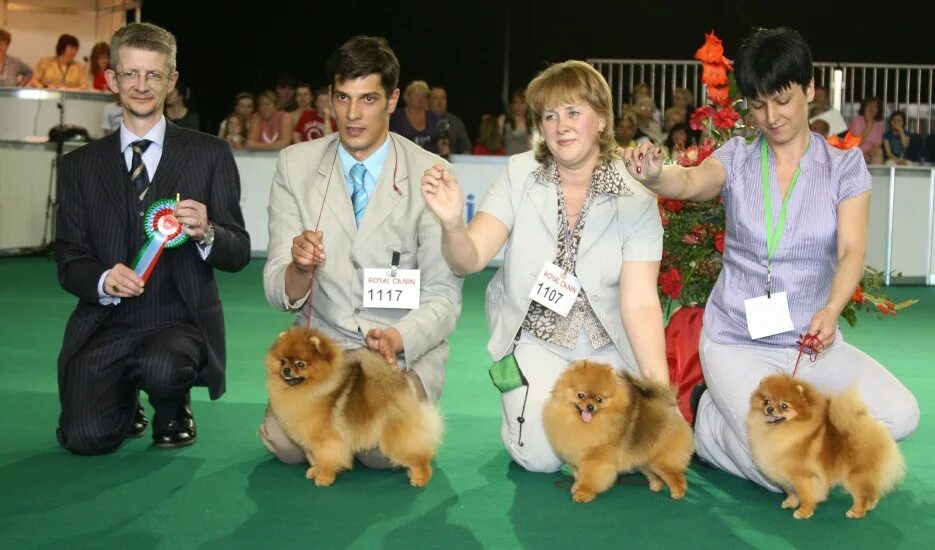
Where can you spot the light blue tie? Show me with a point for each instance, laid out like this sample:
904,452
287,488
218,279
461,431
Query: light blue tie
359,197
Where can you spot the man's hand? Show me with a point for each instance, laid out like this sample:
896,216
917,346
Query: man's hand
194,218
308,250
385,341
123,282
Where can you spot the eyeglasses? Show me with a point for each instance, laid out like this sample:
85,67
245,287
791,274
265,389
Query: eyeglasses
153,77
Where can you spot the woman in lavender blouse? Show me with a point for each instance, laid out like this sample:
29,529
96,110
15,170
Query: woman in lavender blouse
796,216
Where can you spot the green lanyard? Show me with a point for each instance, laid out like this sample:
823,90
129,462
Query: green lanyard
773,232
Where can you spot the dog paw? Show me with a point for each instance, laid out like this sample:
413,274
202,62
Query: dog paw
854,513
678,495
311,473
790,502
321,479
419,478
803,514
656,485
583,495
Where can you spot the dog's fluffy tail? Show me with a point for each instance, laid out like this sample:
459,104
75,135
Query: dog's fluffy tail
847,411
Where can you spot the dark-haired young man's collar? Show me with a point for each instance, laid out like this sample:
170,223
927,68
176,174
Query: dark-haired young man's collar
374,164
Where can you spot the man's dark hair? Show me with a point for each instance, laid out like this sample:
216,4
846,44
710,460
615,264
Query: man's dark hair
361,57
771,60
64,41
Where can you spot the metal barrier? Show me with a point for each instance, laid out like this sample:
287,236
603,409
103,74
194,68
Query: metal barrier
904,87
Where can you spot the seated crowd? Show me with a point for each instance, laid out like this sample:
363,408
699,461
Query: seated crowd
294,112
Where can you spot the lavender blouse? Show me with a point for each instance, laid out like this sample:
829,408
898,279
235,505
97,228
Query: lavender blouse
805,259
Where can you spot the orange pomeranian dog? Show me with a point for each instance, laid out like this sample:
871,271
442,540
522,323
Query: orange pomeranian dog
806,443
334,404
602,422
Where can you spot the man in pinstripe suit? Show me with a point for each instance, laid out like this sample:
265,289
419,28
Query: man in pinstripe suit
166,335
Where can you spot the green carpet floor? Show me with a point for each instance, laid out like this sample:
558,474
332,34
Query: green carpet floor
226,492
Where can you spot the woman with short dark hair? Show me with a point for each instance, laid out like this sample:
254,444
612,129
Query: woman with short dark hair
796,232
61,71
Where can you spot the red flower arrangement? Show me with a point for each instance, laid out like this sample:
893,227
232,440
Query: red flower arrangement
695,237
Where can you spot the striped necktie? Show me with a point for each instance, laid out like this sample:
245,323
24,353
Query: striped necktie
138,174
359,197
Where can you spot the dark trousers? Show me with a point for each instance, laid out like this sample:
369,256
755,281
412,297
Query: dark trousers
99,390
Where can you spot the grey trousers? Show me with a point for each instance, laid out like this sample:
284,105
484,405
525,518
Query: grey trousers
732,372
541,363
278,443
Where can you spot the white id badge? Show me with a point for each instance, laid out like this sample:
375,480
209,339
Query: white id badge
384,290
768,316
555,289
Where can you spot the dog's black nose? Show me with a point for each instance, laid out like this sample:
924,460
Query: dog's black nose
287,371
590,407
769,410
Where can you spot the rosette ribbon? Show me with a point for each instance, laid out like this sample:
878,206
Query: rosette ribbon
163,230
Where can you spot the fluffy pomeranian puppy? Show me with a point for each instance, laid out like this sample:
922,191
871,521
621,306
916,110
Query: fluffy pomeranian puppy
602,422
807,443
334,404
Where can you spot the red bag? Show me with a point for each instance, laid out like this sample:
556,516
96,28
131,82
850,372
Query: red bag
682,335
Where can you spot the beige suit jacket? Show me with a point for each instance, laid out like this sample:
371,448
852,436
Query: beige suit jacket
309,192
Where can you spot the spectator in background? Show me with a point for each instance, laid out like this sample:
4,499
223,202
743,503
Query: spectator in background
820,108
490,139
303,102
626,134
450,123
98,63
821,127
111,116
235,130
61,71
13,72
516,136
677,141
642,89
269,126
177,107
682,97
415,121
244,103
900,146
673,116
868,125
315,122
645,108
285,90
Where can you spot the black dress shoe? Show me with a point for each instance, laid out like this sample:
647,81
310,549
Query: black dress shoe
179,432
139,424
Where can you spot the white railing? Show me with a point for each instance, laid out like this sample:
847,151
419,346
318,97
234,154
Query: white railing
903,87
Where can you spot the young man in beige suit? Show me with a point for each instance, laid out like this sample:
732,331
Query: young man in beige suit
350,202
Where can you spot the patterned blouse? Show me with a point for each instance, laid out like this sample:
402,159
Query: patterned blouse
542,322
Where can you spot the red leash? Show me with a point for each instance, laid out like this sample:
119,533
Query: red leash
809,342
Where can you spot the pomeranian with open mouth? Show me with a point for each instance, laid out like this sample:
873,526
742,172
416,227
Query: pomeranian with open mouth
335,404
602,422
807,442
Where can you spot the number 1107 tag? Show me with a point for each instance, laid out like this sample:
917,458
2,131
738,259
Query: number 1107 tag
555,289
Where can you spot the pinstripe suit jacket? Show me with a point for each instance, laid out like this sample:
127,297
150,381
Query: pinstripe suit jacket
94,220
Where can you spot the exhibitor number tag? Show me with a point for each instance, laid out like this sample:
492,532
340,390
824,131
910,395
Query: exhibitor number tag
384,290
555,289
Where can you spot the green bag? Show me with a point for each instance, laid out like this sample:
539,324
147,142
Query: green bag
505,374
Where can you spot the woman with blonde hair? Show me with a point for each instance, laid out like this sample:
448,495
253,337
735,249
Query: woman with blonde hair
566,211
415,121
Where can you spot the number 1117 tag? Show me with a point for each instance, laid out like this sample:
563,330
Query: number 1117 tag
555,289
